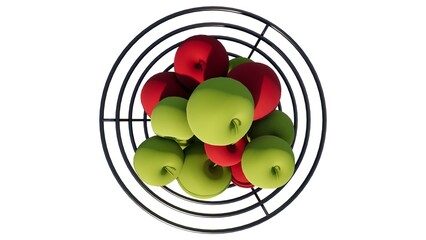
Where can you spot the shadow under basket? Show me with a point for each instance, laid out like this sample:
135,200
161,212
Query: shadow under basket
124,124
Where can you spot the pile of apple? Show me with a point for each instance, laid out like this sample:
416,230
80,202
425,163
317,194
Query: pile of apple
216,122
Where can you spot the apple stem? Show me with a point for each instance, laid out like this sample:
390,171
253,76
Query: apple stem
276,169
200,65
235,123
169,169
232,147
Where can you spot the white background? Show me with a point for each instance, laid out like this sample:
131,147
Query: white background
55,58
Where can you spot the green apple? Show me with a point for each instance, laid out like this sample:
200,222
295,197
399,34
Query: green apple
158,161
200,177
276,123
268,162
220,111
237,61
168,119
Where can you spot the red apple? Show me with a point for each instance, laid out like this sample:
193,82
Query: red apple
263,84
226,155
199,58
158,87
238,178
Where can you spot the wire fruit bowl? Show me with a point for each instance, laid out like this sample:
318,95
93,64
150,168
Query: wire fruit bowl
124,124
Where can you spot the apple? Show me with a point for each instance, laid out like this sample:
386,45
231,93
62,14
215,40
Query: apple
169,119
200,177
262,82
159,86
226,155
220,111
238,178
268,162
198,58
158,161
237,61
276,123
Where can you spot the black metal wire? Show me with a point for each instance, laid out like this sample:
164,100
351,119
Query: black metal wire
254,48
